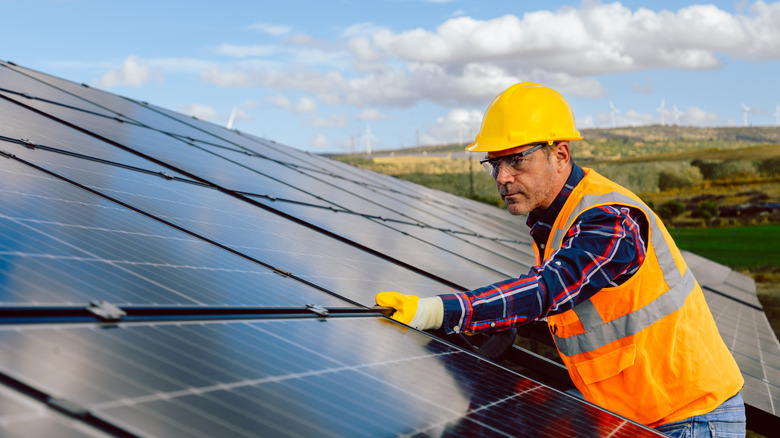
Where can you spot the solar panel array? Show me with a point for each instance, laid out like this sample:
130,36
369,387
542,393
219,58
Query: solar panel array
158,275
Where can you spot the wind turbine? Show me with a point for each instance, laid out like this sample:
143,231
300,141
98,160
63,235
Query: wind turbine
745,110
612,111
232,117
777,114
367,137
662,110
676,116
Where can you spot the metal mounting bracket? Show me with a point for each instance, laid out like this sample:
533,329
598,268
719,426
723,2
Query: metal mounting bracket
105,311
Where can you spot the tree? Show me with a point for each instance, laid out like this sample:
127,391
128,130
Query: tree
708,210
671,209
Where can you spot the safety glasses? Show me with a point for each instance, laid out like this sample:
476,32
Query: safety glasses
517,162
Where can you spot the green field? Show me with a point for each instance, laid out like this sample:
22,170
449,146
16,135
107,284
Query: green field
748,247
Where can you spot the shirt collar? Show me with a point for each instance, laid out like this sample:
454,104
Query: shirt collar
541,225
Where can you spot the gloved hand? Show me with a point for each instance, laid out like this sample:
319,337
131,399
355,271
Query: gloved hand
420,313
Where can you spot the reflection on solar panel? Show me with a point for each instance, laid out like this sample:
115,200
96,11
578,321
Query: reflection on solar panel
340,377
163,276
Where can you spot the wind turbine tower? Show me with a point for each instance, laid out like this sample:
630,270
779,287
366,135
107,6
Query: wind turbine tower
612,111
232,118
367,137
745,110
662,110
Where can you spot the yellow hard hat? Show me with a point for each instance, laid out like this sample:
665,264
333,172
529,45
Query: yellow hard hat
525,113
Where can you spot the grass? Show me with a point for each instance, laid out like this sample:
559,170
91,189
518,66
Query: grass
751,247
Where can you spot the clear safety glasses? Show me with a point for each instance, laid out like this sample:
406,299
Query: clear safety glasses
517,162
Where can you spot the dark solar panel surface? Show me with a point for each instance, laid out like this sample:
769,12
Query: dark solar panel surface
24,417
110,199
340,377
745,329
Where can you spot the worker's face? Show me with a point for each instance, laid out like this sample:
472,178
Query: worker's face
538,182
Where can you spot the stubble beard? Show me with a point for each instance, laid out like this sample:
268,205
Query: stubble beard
517,204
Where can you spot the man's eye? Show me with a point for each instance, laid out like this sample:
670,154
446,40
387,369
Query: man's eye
516,161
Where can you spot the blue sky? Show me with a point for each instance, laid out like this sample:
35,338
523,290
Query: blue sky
317,75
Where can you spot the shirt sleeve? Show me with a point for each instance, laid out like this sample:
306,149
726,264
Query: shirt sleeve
603,248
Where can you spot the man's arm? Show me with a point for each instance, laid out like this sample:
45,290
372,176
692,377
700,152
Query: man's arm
603,248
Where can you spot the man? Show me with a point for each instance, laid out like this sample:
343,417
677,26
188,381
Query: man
627,316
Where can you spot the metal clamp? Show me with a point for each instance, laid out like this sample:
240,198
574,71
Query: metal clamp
321,311
105,311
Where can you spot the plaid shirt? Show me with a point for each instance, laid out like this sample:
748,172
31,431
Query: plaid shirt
604,247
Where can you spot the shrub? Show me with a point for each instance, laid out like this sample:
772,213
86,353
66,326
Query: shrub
679,178
671,209
770,166
707,210
722,169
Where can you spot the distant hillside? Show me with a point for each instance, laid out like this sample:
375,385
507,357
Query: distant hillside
752,134
636,141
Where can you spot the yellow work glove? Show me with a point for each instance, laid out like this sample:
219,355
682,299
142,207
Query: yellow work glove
420,313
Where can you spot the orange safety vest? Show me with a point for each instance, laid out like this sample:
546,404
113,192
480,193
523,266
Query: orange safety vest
648,349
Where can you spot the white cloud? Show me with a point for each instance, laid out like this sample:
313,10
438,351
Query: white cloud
465,62
696,116
372,114
180,65
331,121
319,140
366,58
596,39
132,73
270,29
361,29
279,100
247,51
203,112
460,125
225,79
249,104
305,105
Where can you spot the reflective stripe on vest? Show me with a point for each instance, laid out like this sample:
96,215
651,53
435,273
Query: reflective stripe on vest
597,332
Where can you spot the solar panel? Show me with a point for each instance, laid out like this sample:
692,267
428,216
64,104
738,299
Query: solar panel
105,199
451,263
746,331
23,417
335,377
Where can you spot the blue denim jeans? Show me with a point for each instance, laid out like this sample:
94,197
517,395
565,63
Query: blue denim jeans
725,421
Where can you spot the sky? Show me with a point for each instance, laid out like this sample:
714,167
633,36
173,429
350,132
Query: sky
341,76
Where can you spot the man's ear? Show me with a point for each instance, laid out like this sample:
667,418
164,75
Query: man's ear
561,155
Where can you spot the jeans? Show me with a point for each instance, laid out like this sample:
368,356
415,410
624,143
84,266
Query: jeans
725,421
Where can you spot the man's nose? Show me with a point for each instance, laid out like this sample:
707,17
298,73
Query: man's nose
504,175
